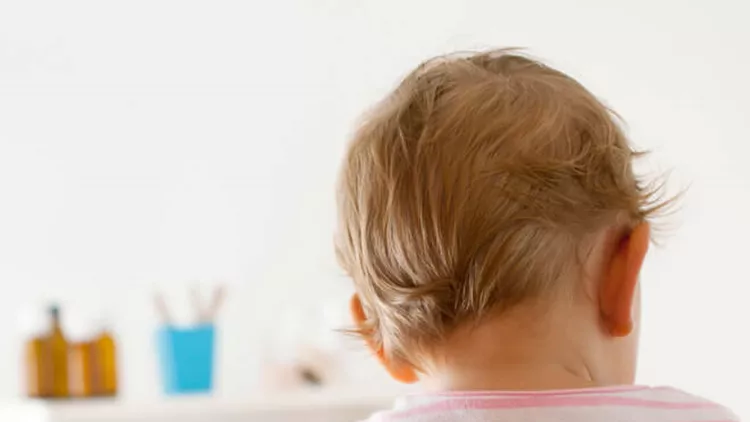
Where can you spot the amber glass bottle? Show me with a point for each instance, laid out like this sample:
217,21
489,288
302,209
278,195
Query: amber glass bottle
80,370
58,351
106,352
38,374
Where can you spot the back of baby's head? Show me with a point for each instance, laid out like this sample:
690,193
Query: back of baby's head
471,189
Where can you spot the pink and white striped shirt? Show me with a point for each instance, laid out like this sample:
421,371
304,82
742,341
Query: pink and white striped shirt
616,404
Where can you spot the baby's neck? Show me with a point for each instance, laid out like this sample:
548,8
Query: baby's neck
515,353
511,377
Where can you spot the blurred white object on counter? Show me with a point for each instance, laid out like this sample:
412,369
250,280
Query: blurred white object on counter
322,406
306,350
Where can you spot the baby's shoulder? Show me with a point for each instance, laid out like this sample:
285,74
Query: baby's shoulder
678,398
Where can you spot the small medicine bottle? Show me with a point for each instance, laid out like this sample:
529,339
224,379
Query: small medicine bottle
106,358
36,367
58,354
80,358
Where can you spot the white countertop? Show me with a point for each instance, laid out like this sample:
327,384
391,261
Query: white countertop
322,406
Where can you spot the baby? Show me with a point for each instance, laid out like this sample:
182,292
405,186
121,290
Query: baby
495,231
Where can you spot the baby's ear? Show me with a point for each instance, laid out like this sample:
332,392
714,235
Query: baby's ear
399,371
618,288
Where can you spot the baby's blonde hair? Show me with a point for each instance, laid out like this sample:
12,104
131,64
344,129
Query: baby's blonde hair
470,189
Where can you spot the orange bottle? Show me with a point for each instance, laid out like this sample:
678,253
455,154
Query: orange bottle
57,351
37,364
106,361
80,375
38,376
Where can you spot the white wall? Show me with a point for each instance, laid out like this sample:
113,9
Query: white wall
151,143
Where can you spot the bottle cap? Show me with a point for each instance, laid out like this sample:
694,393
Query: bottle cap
54,311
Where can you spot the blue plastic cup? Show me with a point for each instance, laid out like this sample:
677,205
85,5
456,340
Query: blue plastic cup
186,357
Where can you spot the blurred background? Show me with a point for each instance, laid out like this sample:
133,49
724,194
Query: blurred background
150,149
